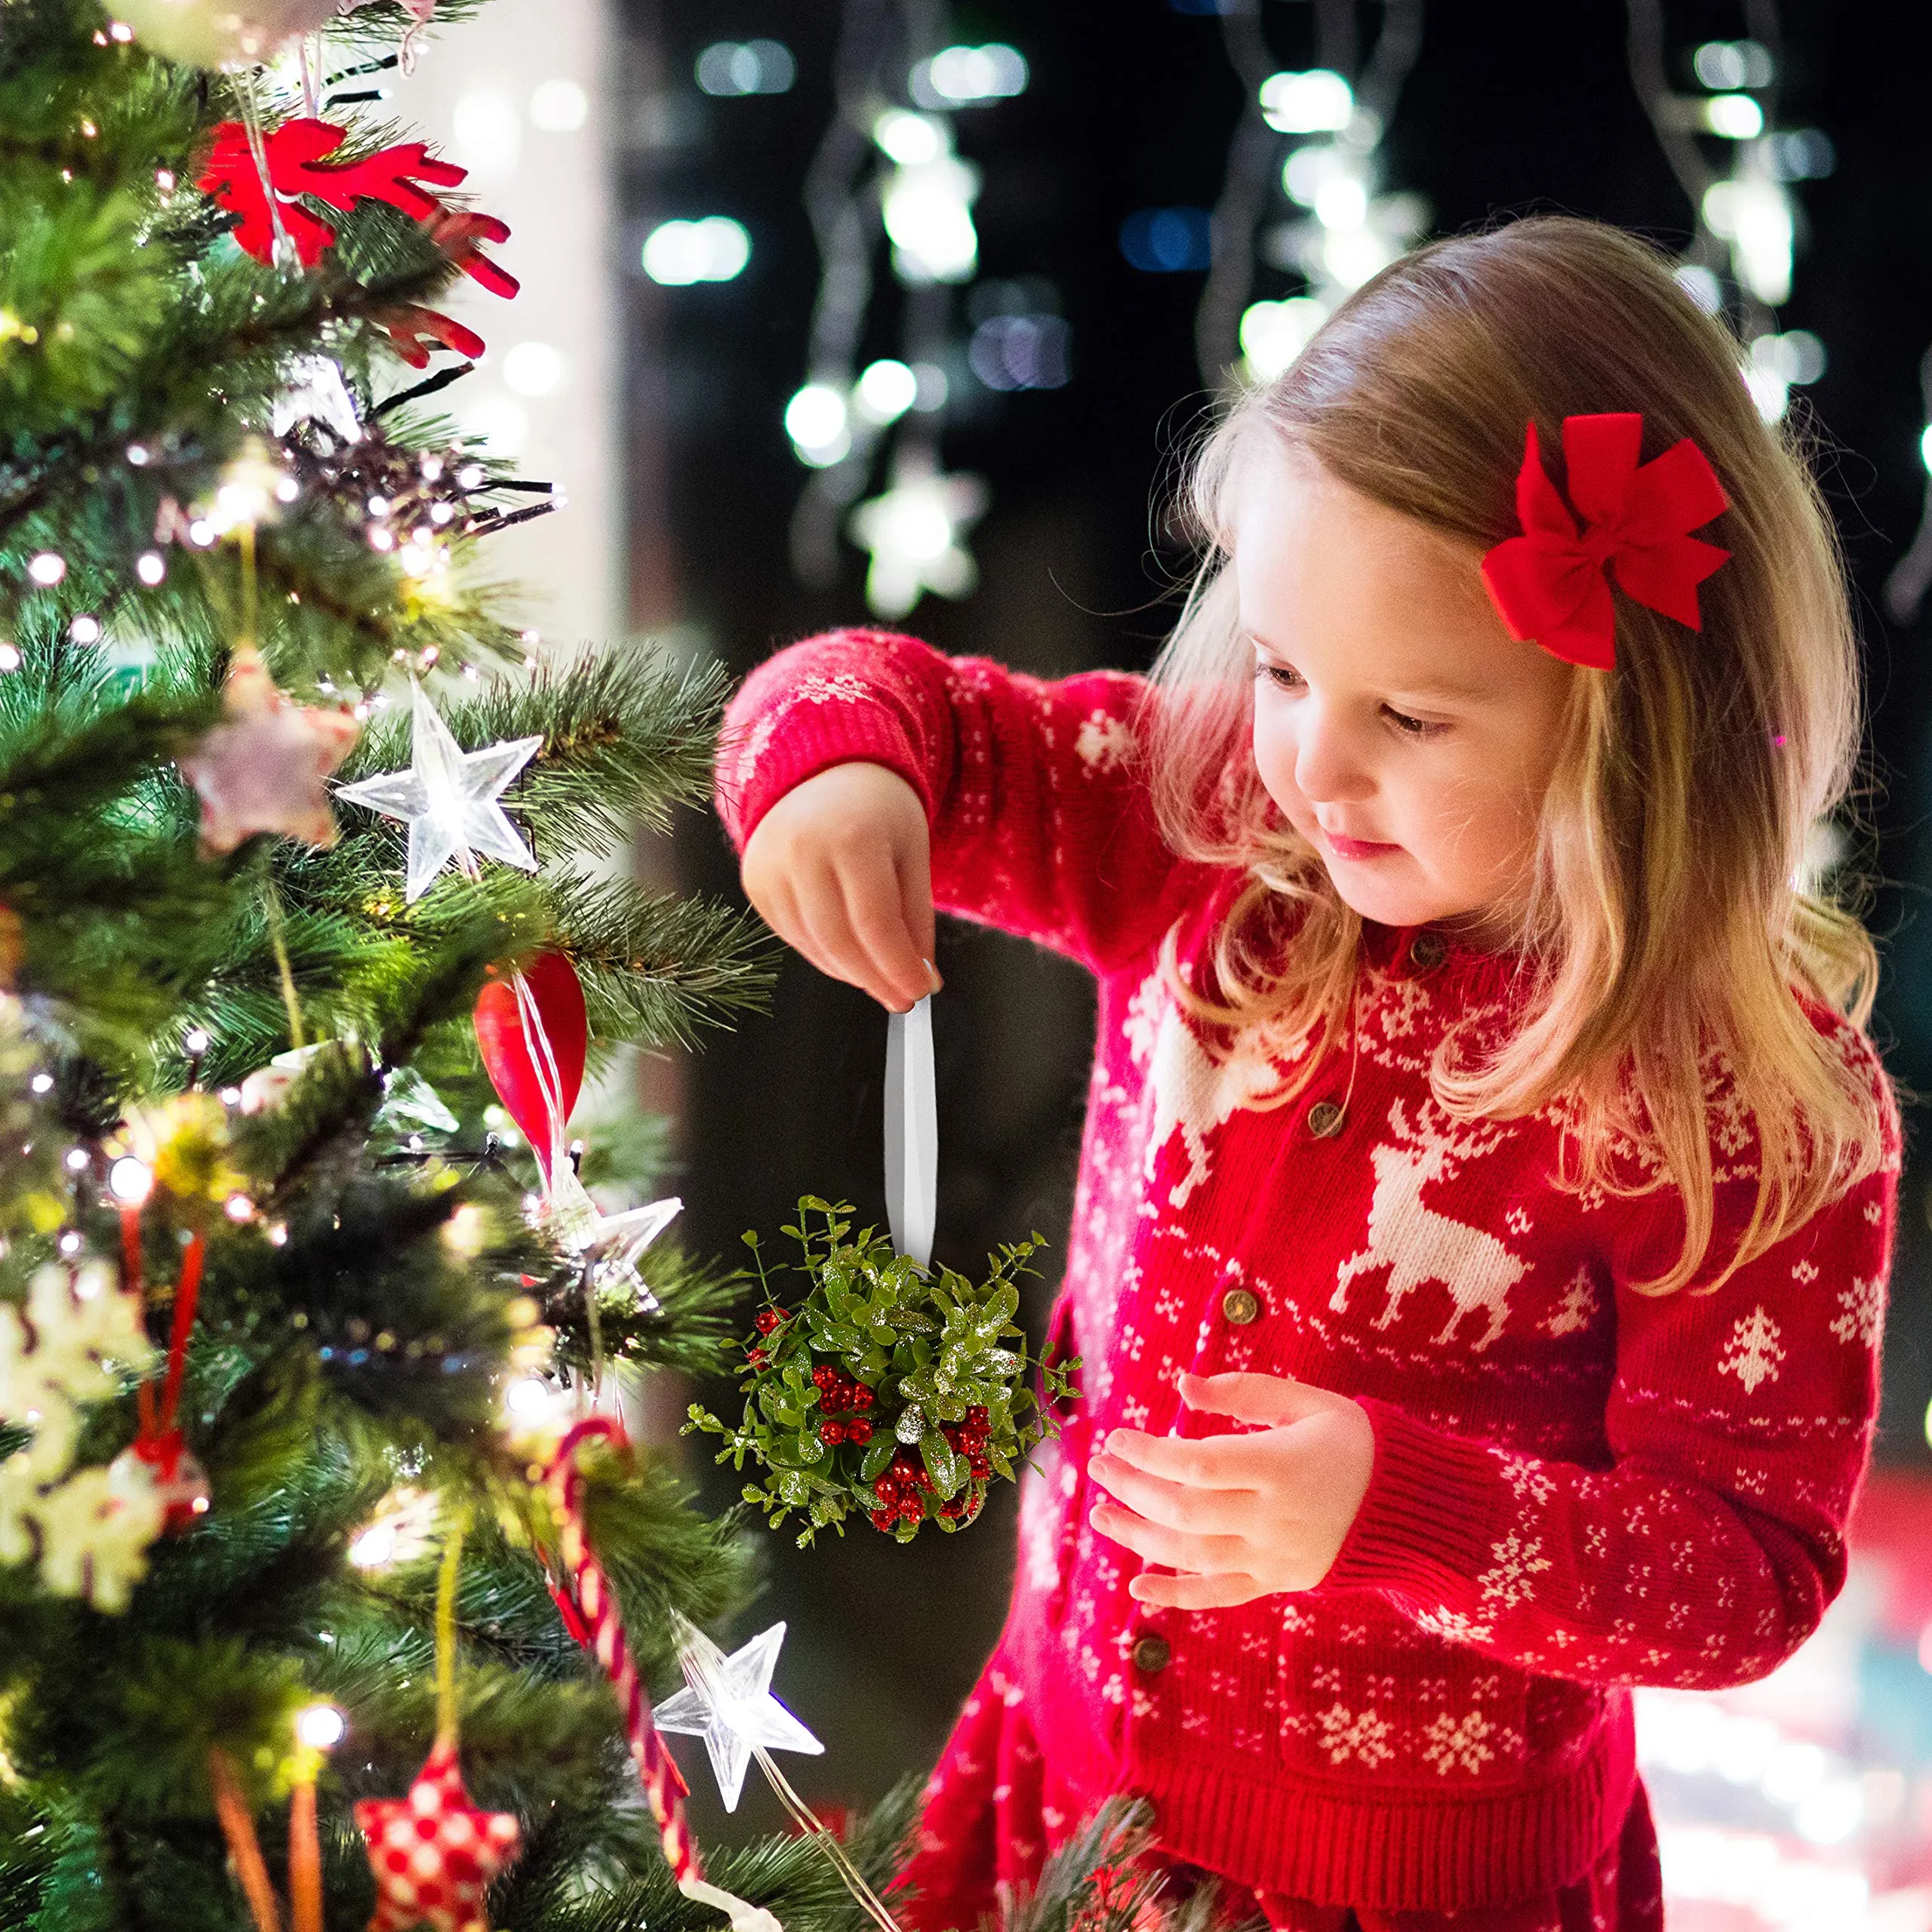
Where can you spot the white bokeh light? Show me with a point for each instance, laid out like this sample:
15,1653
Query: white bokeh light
1319,101
558,106
714,248
533,368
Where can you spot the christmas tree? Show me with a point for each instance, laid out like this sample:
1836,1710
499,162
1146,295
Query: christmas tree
307,1617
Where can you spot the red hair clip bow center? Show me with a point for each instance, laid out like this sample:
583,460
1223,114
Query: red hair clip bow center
1631,521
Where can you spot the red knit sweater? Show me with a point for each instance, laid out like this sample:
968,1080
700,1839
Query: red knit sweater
1576,1488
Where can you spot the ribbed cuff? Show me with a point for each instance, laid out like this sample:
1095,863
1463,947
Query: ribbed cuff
809,742
1423,1528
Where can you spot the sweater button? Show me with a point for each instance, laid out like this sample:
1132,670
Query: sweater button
1240,1306
1427,951
1325,1119
1151,1654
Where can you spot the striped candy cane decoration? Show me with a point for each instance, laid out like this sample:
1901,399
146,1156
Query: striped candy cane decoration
591,1612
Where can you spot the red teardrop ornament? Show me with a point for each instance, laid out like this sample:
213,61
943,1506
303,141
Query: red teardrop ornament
558,997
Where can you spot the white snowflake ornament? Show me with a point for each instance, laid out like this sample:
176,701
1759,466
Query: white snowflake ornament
77,1327
90,1529
95,1529
448,799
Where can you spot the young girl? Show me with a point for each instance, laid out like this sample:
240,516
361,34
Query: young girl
1479,1252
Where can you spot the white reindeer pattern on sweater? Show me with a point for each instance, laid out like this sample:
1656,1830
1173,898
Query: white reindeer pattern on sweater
1415,1243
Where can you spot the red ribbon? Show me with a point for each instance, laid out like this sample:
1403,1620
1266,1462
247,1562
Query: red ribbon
1552,584
159,1441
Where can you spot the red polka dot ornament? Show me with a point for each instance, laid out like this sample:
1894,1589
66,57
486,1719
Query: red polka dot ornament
435,1853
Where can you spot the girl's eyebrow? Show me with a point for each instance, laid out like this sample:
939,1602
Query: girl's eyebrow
1436,685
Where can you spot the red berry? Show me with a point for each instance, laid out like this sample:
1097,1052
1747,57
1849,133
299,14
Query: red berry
861,1396
767,1319
860,1431
824,1376
832,1433
952,1511
911,1509
756,1357
977,1416
885,1489
883,1519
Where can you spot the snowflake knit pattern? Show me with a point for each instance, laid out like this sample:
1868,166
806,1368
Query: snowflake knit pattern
1576,1488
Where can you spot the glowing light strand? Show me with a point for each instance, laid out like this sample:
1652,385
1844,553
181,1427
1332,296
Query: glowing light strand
1311,138
890,172
1740,259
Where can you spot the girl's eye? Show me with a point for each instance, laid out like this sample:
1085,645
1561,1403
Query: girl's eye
1280,675
1413,727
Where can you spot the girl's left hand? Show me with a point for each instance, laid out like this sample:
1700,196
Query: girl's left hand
1239,1516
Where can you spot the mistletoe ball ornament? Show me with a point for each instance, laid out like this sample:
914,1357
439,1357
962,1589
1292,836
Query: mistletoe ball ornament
890,1388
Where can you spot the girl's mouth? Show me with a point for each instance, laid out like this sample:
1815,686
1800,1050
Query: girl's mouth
1355,848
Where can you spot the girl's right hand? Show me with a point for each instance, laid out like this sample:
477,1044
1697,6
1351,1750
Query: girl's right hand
840,868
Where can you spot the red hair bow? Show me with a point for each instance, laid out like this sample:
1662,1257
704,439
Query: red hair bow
1552,584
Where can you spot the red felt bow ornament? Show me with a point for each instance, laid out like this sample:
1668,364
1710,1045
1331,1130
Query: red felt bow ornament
1552,584
293,157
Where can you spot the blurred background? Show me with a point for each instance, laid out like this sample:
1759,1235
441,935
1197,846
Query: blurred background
841,308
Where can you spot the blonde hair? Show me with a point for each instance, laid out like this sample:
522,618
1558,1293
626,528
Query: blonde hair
1666,933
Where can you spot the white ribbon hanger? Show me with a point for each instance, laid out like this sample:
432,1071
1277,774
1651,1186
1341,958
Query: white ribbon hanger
911,1132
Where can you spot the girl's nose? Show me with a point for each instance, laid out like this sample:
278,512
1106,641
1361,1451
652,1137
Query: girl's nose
1327,768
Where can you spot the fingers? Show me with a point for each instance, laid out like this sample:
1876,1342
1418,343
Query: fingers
870,891
1177,1505
1220,1592
1215,1462
834,948
1256,1399
915,871
1178,1549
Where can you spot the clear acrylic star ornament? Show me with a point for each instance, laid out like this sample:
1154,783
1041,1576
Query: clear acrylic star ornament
728,1702
448,799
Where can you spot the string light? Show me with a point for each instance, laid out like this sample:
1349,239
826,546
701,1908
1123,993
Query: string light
847,423
1329,166
1740,255
321,1726
151,567
130,1181
47,569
